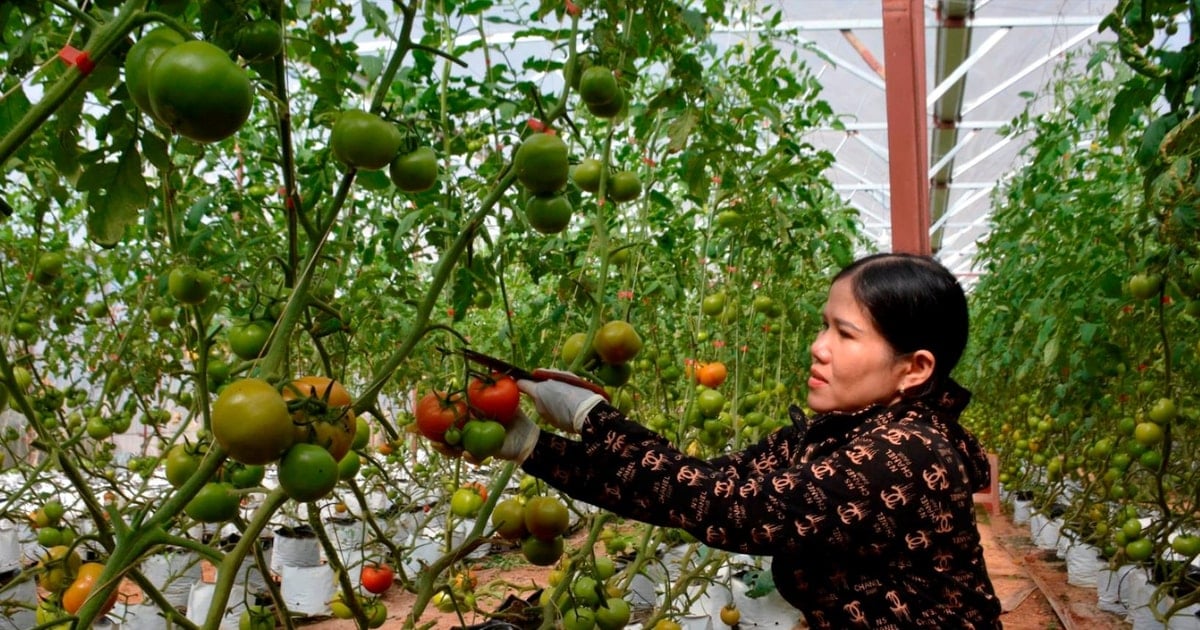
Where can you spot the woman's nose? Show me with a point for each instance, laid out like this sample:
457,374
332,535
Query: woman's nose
818,349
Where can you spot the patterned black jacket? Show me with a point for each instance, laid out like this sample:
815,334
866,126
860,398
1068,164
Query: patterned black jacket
868,516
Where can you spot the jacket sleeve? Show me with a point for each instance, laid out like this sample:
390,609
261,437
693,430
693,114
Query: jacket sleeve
867,489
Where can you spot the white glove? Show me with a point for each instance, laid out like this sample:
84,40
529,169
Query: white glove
562,405
519,439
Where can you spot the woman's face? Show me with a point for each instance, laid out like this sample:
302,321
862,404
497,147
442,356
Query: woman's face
852,365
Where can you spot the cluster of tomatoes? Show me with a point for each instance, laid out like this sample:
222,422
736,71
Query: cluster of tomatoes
614,345
475,421
367,141
375,579
193,87
63,576
308,430
538,522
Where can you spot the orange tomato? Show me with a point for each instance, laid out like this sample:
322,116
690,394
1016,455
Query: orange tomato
327,419
712,375
79,590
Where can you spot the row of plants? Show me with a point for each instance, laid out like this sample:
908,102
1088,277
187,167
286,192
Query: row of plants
235,231
1086,328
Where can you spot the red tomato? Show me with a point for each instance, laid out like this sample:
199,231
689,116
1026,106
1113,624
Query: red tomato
377,578
437,412
495,398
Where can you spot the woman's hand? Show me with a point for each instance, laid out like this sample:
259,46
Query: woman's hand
562,405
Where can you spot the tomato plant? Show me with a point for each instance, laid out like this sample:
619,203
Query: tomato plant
218,215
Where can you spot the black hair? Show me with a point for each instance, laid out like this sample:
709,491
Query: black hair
915,303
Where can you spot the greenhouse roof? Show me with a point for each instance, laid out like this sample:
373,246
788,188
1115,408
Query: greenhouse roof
985,60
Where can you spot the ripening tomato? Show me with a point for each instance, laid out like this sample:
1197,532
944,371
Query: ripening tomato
465,502
712,374
546,517
79,590
250,420
494,398
436,412
617,342
508,517
322,413
730,615
377,578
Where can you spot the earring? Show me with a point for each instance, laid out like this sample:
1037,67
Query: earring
902,392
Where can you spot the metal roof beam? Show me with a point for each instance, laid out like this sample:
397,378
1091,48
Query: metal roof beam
1058,50
876,24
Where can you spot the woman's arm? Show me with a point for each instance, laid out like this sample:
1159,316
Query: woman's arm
869,489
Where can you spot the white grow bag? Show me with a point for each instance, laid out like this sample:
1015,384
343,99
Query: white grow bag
173,574
1084,563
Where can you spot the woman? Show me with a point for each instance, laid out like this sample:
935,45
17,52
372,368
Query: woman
866,509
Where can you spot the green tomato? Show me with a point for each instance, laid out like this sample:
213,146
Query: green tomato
349,465
249,339
362,434
307,472
465,503
189,285
216,502
482,438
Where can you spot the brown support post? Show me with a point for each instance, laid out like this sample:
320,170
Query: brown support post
908,150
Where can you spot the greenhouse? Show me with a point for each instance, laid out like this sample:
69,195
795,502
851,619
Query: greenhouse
648,314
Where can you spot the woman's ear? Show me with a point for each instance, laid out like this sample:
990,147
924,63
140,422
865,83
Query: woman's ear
918,371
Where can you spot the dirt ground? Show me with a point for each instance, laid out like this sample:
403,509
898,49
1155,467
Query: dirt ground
1031,583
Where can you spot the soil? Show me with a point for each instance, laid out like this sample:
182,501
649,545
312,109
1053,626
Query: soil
1031,583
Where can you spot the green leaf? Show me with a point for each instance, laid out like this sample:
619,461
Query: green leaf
12,108
679,130
1153,137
